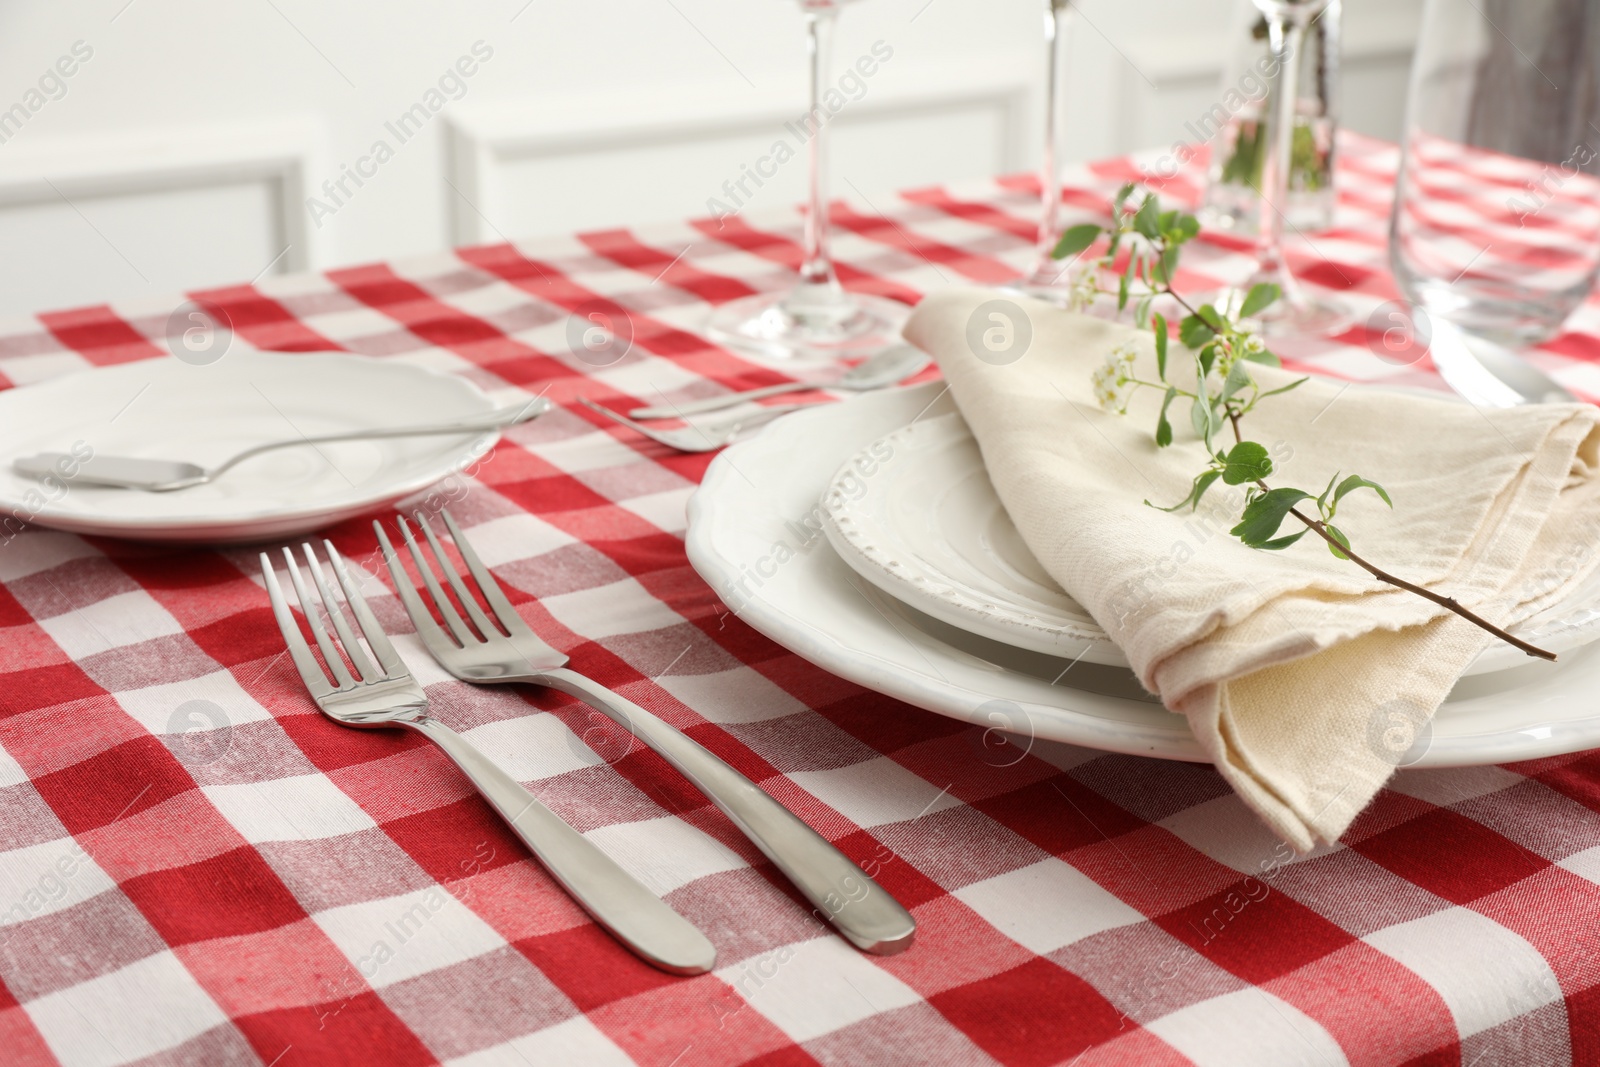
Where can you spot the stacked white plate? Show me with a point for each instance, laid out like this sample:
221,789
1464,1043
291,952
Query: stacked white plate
866,537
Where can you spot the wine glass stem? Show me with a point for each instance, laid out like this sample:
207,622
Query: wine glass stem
1056,15
1286,38
816,269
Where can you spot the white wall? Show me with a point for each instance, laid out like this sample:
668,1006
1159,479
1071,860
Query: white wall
181,152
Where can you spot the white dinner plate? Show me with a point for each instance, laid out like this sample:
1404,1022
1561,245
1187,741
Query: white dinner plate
915,514
755,534
170,409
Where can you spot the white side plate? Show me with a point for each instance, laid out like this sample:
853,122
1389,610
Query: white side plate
169,409
755,536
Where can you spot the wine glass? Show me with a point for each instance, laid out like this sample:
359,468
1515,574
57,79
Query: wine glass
1496,222
1296,311
1048,280
817,319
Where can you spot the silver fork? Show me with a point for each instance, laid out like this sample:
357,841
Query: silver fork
693,438
506,650
387,695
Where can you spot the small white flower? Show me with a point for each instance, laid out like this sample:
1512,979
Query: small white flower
1113,379
1253,345
1085,287
1123,356
1107,393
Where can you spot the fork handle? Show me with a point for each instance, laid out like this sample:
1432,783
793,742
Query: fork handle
633,915
717,403
858,907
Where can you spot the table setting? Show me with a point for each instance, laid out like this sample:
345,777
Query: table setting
1087,617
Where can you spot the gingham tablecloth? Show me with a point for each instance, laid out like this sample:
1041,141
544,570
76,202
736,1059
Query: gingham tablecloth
197,868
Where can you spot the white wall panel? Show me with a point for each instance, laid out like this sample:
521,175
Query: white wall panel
88,219
519,168
960,97
116,247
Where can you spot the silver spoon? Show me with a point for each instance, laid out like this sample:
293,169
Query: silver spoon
166,475
886,368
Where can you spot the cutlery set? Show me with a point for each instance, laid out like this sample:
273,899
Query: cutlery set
493,645
360,680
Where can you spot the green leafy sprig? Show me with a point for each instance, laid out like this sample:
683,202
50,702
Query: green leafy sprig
1221,347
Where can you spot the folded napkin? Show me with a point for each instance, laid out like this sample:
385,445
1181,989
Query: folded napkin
1302,677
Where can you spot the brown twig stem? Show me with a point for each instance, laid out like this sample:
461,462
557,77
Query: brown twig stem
1320,529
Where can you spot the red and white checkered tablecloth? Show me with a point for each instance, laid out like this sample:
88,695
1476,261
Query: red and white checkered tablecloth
281,890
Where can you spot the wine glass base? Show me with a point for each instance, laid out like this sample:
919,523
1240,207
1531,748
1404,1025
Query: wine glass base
1302,315
781,328
1051,283
1308,318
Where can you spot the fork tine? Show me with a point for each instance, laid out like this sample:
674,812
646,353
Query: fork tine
347,637
503,611
649,432
310,673
393,667
437,640
463,636
468,601
308,607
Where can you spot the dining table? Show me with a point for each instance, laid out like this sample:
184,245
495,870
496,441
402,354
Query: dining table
196,867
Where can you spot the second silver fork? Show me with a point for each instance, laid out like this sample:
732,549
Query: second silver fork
506,650
694,437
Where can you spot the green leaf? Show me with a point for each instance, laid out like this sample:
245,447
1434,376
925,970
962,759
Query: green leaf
1163,427
1122,290
1122,198
1283,388
1338,535
1271,360
1193,332
1263,515
1282,542
1185,228
1158,323
1247,461
1202,482
1166,221
1204,420
1146,222
1141,310
1169,263
1262,295
1354,482
1322,501
1076,239
1212,318
1208,356
1238,378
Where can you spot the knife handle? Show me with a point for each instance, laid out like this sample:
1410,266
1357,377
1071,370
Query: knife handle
619,903
858,907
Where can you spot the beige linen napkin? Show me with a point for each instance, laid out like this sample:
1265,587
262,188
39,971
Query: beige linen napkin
1303,678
